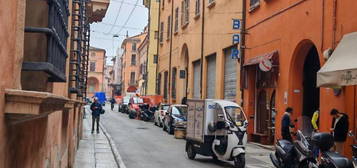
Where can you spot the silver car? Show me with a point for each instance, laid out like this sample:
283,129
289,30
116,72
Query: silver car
160,114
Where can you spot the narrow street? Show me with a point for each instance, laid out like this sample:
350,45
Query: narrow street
143,145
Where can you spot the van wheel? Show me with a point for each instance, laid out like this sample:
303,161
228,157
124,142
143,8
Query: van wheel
239,161
191,154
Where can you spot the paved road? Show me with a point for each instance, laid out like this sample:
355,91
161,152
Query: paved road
143,145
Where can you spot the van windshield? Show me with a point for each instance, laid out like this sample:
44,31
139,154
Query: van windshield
235,114
179,111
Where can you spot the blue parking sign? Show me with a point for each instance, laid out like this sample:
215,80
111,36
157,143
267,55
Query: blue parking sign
236,24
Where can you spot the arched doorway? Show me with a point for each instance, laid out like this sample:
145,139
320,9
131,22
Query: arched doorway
184,69
306,96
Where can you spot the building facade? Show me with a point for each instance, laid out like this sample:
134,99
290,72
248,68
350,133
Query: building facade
195,51
130,62
40,102
153,34
287,42
143,66
96,77
117,72
108,80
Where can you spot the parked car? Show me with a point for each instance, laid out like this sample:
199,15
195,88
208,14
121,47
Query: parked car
160,114
134,107
124,105
175,117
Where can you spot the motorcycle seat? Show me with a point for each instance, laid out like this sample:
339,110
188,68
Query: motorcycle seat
339,160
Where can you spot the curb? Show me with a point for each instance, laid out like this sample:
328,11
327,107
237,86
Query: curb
268,147
114,149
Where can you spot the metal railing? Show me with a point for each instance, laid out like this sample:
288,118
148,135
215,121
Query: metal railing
57,34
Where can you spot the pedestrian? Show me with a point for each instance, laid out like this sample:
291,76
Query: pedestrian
315,125
112,103
286,124
339,129
97,109
315,121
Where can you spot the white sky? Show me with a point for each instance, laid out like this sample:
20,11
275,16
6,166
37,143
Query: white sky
102,33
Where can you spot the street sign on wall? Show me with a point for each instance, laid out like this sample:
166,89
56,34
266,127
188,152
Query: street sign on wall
236,24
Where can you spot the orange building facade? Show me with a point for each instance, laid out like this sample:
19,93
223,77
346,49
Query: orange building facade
96,71
130,62
295,36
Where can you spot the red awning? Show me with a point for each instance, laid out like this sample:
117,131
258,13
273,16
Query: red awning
131,89
256,60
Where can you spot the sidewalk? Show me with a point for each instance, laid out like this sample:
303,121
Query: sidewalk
94,149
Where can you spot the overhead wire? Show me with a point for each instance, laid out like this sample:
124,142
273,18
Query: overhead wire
129,16
116,17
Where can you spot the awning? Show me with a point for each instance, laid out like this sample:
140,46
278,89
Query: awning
341,67
272,56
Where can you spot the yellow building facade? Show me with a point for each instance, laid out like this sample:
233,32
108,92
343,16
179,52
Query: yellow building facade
195,51
153,31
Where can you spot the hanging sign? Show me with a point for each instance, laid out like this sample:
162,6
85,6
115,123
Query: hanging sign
265,65
236,38
235,53
236,24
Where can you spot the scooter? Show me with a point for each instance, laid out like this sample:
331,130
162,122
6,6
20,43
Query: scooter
294,155
329,159
354,149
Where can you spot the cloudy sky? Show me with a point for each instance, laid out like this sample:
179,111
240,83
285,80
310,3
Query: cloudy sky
122,16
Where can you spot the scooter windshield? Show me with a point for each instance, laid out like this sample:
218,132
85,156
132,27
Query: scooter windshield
235,115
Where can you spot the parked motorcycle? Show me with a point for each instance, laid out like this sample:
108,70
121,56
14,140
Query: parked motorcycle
354,149
329,159
294,155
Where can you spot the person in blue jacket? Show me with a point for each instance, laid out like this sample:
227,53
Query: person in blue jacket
96,108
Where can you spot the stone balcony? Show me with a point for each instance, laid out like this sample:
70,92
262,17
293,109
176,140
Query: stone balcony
97,10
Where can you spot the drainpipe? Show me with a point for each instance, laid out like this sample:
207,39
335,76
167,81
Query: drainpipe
334,22
157,50
170,57
202,46
242,50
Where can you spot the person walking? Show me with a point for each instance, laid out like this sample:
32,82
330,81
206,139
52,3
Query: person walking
112,103
97,109
339,129
286,124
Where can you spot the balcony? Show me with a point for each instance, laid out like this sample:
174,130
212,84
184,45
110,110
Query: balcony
46,36
97,10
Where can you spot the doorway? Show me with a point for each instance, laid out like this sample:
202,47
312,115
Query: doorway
262,114
311,94
272,115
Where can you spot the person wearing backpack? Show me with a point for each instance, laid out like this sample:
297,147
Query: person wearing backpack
97,110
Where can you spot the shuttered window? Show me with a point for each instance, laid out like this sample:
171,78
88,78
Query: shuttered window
196,79
230,75
211,77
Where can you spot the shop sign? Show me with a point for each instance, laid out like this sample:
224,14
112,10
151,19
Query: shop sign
265,65
236,24
236,38
235,54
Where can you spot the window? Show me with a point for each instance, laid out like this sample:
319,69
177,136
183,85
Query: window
156,59
166,74
210,1
176,19
133,59
254,4
92,66
156,35
187,11
173,87
161,32
198,7
163,4
158,84
182,13
133,47
168,27
132,78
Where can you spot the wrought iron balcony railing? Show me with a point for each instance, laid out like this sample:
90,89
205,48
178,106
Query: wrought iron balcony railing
55,62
